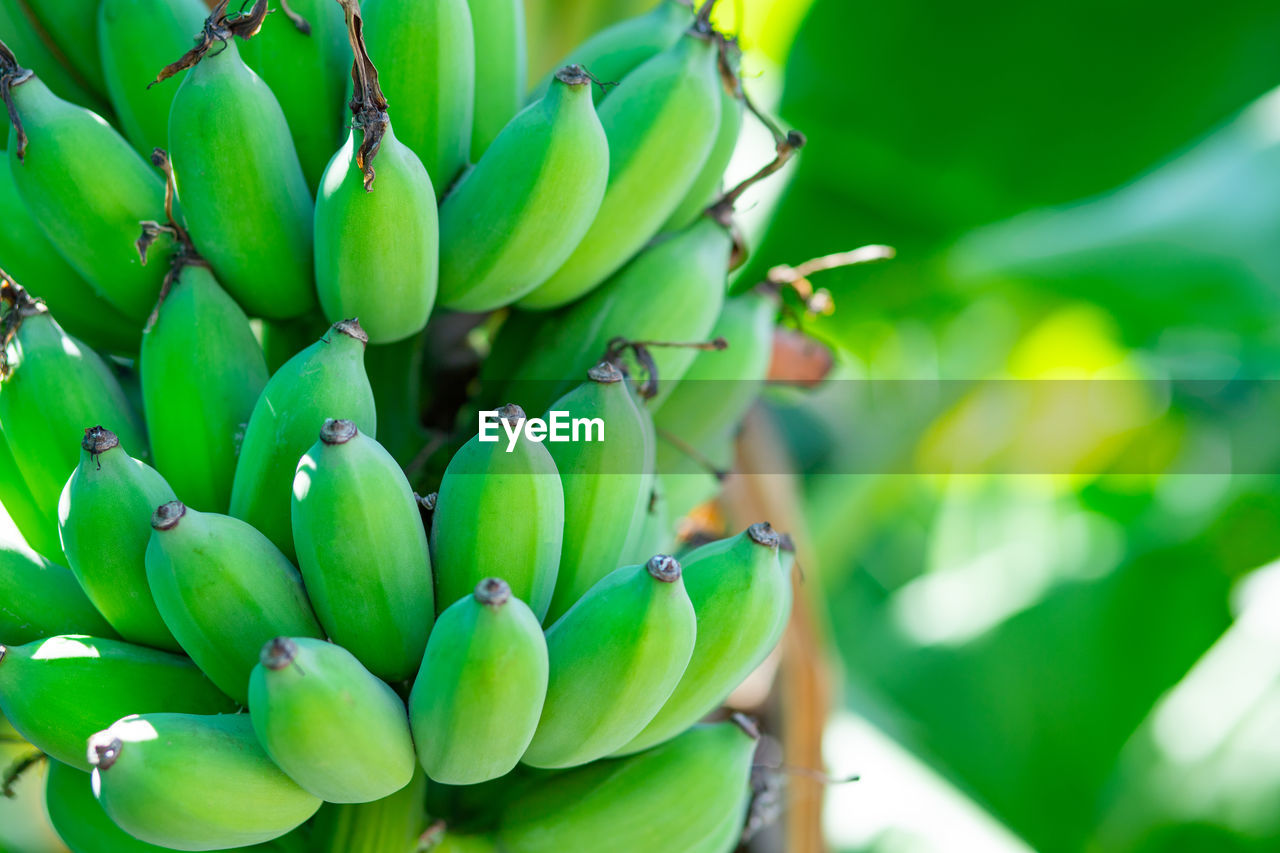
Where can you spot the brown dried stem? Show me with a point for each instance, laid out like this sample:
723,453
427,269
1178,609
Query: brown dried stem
218,28
12,74
368,106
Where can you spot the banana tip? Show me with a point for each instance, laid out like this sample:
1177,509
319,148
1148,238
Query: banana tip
748,725
352,329
98,439
3,651
573,75
167,515
664,567
104,749
428,502
493,592
278,653
605,372
762,533
511,413
337,431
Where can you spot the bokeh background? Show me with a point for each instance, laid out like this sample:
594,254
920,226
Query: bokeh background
1077,656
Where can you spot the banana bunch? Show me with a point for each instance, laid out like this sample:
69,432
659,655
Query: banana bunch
237,242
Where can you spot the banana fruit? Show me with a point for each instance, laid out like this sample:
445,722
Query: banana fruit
661,124
240,183
742,599
376,229
38,598
69,29
325,380
51,388
393,824
499,514
427,51
501,68
614,658
59,690
328,722
137,37
85,186
22,510
102,519
690,794
199,330
194,782
514,218
223,590
363,551
26,40
606,483
478,696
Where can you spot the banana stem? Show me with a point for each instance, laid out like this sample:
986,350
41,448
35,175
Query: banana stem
186,255
368,106
21,306
818,301
649,388
303,26
219,27
16,770
693,453
702,21
12,74
787,146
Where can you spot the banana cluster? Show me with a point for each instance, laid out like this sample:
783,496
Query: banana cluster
227,618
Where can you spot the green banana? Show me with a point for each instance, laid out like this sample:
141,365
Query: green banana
326,379
390,825
395,375
102,519
29,256
615,658
501,68
453,843
84,186
135,38
51,388
71,26
59,690
199,330
85,827
742,598
477,699
499,514
706,185
223,590
518,215
20,508
706,406
25,38
38,598
239,179
606,483
661,124
614,52
690,794
283,339
194,782
673,291
429,66
363,551
303,56
377,240
652,531
329,723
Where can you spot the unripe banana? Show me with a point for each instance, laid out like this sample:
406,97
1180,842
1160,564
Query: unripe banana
194,782
242,189
499,514
690,795
303,56
742,599
103,521
55,387
59,690
71,27
615,658
136,37
661,124
196,427
453,843
21,509
501,67
39,598
732,106
84,827
393,824
87,204
653,531
395,374
325,380
673,291
24,38
363,551
518,215
28,256
606,483
427,51
283,339
477,699
223,590
329,723
377,240
616,51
